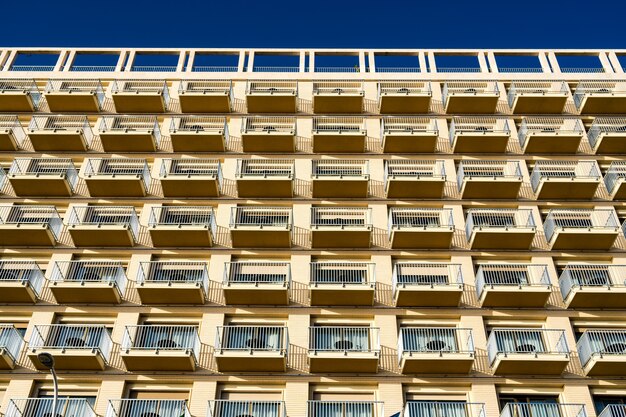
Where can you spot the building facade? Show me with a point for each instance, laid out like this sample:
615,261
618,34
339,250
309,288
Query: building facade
312,239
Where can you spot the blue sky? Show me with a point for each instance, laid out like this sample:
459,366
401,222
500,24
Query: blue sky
317,23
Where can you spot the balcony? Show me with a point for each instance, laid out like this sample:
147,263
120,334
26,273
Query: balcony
338,97
43,177
593,286
527,351
339,135
341,227
97,282
538,97
60,133
613,410
269,134
199,134
435,350
265,408
342,283
600,97
409,134
140,96
400,97
489,179
182,226
545,409
42,407
20,281
581,229
160,348
607,135
261,227
443,408
74,347
420,228
19,96
479,135
334,408
10,346
335,349
602,352
206,96
240,348
130,133
117,177
257,283
29,225
265,178
187,177
172,282
12,133
500,228
412,178
85,96
421,284
340,178
550,135
272,96
473,97
103,226
614,180
148,408
513,285
570,180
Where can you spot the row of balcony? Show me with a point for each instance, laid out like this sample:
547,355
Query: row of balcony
414,284
337,96
278,134
329,178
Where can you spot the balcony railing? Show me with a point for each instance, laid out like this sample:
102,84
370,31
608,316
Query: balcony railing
125,216
77,86
408,88
317,408
261,216
339,125
269,124
143,408
72,336
407,274
90,272
277,87
42,407
487,169
596,219
12,125
601,343
22,272
18,215
545,88
525,341
591,276
45,167
604,125
118,167
543,409
498,219
340,168
338,88
77,124
194,124
424,218
442,340
549,125
265,168
10,341
478,125
252,338
183,216
162,338
613,410
408,124
584,88
508,275
477,88
402,168
173,273
615,175
544,170
257,273
344,339
125,124
188,167
25,86
206,86
343,273
234,408
443,408
142,86
341,217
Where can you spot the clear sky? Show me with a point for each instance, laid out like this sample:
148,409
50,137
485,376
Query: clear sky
315,23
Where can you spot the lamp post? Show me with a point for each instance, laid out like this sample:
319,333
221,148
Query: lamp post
47,360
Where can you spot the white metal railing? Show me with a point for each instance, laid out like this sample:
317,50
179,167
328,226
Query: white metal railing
340,168
42,407
613,410
597,219
269,125
89,68
162,338
417,217
586,88
143,408
338,88
581,276
142,87
600,343
235,408
511,275
22,272
474,88
190,168
10,341
118,167
25,86
605,125
478,125
615,175
408,124
326,408
90,272
272,87
545,88
252,338
443,408
174,273
557,126
77,86
43,215
77,124
529,341
125,216
72,336
261,217
257,273
153,68
265,168
341,217
413,168
213,68
347,124
132,123
208,124
415,340
469,169
45,167
546,170
183,216
409,274
498,219
405,88
344,339
12,125
544,409
354,68
343,273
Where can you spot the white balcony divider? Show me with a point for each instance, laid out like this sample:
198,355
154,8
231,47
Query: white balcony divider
487,169
269,124
344,339
545,88
10,341
478,124
118,167
443,408
265,168
170,338
345,274
576,276
44,215
317,408
142,408
246,216
598,219
12,125
72,336
142,86
615,175
277,87
416,217
545,170
585,88
543,409
408,124
235,408
340,168
88,272
22,272
257,273
402,168
77,86
498,219
477,88
45,167
209,124
415,340
526,341
601,342
604,125
338,88
613,410
547,125
409,88
206,87
62,123
105,215
407,274
507,275
183,216
26,86
258,338
343,124
132,123
341,217
42,407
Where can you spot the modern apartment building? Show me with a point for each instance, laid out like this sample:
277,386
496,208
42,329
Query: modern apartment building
313,233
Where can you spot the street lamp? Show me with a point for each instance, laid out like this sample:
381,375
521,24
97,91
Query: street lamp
47,360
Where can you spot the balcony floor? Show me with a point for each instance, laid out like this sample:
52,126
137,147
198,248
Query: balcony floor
74,101
261,294
409,142
569,189
16,101
606,365
485,142
244,361
199,141
128,141
190,187
132,102
530,364
7,362
597,297
170,293
16,292
7,140
338,104
515,296
551,142
175,236
205,103
265,187
26,235
399,103
611,143
418,187
60,140
255,237
341,295
272,103
68,292
333,237
162,360
83,359
421,238
492,188
583,239
436,363
101,235
469,103
339,362
538,103
41,186
338,187
270,142
427,296
115,186
519,239
603,103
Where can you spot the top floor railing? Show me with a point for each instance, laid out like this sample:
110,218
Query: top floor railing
191,167
45,167
162,337
439,340
344,339
487,169
72,336
418,217
118,167
251,338
224,87
269,124
410,124
337,408
478,124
